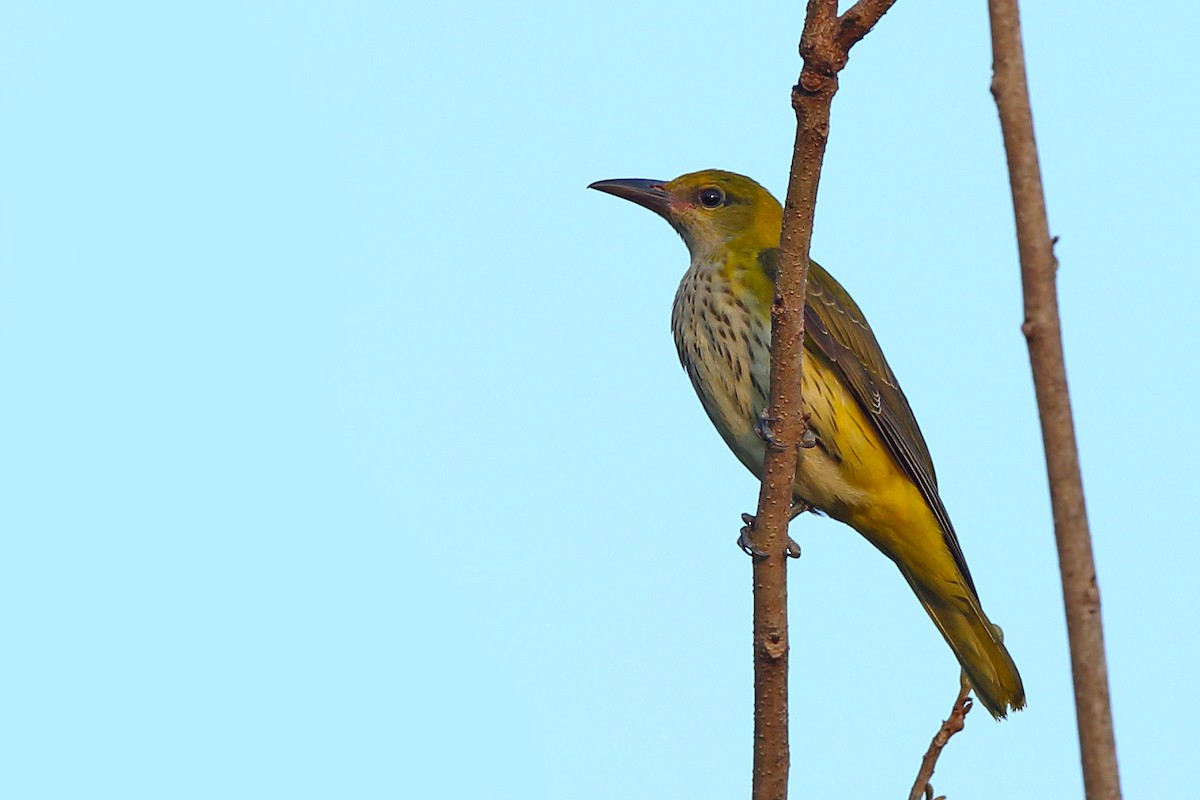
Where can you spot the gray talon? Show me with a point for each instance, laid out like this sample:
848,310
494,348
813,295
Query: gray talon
744,538
743,541
765,430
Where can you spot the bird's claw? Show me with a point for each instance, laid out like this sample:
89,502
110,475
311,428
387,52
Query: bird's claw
743,541
808,439
765,430
793,549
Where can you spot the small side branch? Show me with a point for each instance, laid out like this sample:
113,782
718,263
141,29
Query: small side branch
922,789
859,19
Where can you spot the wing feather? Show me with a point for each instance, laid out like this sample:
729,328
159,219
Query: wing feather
838,329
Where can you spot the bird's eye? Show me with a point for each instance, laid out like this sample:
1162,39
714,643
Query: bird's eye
711,197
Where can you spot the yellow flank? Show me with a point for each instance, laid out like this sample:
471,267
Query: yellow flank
870,467
869,485
862,485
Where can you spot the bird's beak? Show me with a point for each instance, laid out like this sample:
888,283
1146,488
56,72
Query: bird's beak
647,193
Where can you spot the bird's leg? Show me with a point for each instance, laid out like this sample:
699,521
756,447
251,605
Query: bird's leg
798,508
808,439
793,549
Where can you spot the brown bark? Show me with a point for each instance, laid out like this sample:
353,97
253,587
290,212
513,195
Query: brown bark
1043,333
922,788
825,46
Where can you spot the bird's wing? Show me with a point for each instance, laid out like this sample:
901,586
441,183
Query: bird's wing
838,329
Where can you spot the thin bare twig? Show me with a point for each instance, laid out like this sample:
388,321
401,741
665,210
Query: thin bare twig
825,46
955,723
1043,333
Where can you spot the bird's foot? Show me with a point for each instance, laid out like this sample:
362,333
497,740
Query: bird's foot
808,439
743,541
793,549
765,428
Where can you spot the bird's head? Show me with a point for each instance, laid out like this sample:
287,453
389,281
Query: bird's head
711,209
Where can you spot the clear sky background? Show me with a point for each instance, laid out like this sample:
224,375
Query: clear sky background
345,448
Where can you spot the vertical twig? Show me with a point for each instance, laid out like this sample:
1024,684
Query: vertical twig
825,46
955,723
1043,333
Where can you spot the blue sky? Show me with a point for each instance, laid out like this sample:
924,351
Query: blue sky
346,452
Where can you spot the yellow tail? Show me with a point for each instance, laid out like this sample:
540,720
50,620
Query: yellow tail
976,642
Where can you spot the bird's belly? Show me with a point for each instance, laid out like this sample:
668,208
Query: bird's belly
725,349
848,468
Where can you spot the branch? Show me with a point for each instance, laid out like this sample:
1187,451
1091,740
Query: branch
825,49
1043,333
859,19
958,716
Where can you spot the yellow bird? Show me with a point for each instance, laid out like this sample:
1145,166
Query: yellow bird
869,466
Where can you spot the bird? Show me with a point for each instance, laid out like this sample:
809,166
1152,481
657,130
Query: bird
868,465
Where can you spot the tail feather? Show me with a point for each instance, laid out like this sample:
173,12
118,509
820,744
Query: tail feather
978,644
